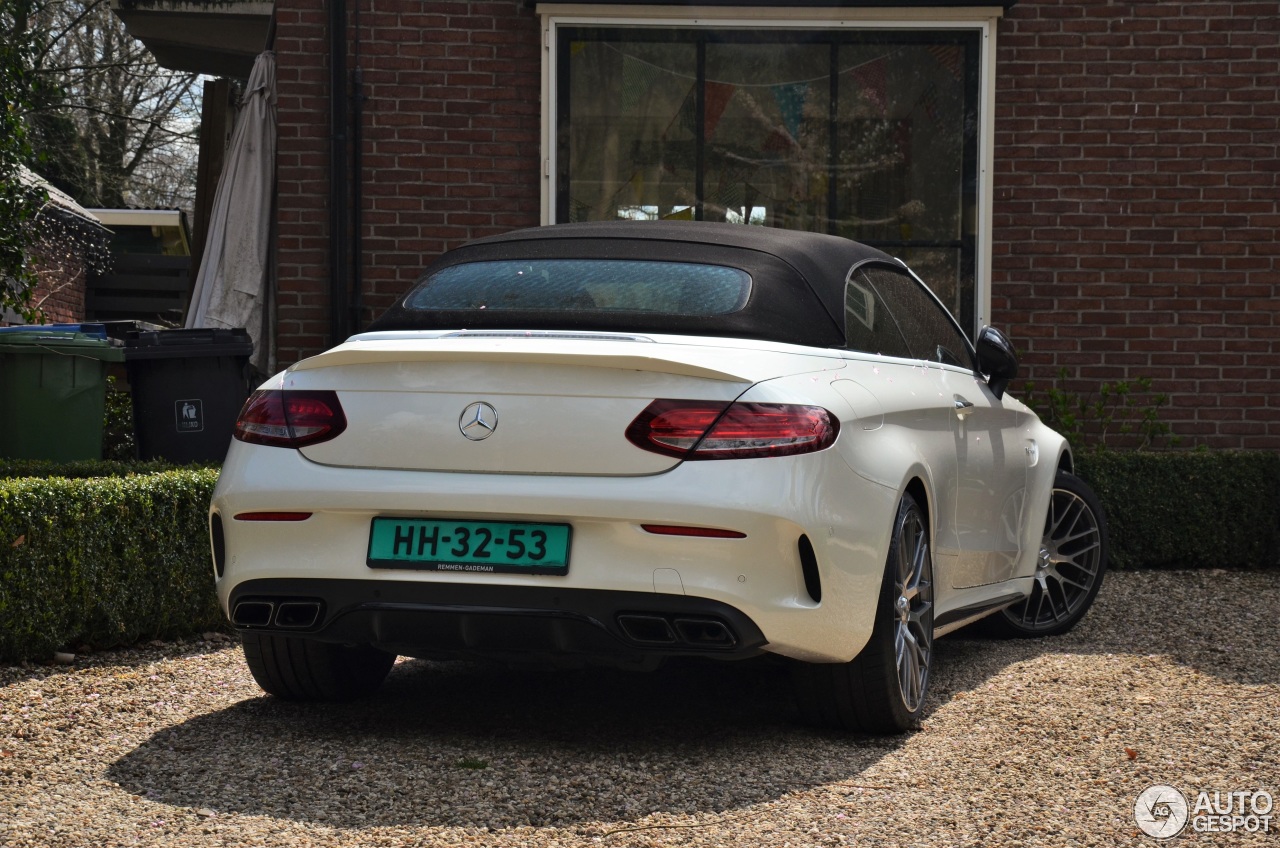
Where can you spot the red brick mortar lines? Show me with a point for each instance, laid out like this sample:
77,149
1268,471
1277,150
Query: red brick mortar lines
1135,183
1135,204
451,123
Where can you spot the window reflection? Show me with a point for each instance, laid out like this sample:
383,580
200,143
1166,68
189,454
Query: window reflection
870,135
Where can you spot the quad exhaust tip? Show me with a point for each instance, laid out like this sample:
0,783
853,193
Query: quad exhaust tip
655,630
705,632
252,613
286,615
298,615
647,629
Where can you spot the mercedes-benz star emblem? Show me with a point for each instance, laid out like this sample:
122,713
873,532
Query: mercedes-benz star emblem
478,421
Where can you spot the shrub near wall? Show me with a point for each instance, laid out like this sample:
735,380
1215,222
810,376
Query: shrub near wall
1189,510
111,559
104,560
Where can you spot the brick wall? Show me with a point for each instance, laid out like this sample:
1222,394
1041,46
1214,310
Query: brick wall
451,144
60,274
62,304
1136,183
1136,204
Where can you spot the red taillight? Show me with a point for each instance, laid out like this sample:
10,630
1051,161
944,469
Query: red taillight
689,429
673,427
290,419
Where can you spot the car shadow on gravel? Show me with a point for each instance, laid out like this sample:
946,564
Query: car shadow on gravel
485,746
1215,622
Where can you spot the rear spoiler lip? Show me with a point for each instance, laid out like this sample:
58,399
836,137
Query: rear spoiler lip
735,365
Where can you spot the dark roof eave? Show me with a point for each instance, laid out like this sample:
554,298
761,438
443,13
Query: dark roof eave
73,221
813,4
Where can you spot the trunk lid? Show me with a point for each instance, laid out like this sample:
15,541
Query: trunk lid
532,403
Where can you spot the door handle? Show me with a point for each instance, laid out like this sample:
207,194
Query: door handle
963,407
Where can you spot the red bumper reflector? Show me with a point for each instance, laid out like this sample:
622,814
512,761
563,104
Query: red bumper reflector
702,532
272,516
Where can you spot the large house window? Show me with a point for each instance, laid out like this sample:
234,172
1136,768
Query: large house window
871,132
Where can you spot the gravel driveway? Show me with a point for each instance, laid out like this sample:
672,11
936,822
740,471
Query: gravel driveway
1174,678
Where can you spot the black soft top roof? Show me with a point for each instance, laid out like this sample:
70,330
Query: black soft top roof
797,293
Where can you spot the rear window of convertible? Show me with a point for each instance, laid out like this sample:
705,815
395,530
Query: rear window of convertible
585,285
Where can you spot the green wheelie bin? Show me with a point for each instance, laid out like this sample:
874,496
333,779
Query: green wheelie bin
53,384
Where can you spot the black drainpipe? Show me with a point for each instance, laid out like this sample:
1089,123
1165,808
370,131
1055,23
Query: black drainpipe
339,325
357,202
357,184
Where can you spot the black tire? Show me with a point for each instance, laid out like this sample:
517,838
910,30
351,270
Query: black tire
1073,560
883,689
305,670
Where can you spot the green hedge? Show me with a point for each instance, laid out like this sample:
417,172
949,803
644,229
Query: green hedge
85,468
94,552
104,560
1189,509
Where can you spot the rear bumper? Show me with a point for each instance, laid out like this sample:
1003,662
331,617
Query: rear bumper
442,619
755,585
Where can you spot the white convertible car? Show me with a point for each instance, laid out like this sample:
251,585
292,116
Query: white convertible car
625,442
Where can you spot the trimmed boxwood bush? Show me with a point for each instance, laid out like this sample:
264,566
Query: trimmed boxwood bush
1189,509
104,560
110,552
83,468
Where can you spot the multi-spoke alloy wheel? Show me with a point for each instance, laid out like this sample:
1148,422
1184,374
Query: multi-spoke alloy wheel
1073,559
882,690
913,609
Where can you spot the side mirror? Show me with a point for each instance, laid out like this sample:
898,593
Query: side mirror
996,359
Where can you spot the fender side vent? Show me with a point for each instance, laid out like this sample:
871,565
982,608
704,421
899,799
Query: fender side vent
809,569
219,543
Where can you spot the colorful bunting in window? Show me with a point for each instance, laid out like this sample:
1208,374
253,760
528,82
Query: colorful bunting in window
929,102
872,80
950,57
730,183
777,142
636,184
686,117
718,95
791,98
637,79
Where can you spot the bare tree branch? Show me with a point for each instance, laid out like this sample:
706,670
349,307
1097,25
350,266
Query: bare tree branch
120,128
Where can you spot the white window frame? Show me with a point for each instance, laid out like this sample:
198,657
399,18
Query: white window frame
982,19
